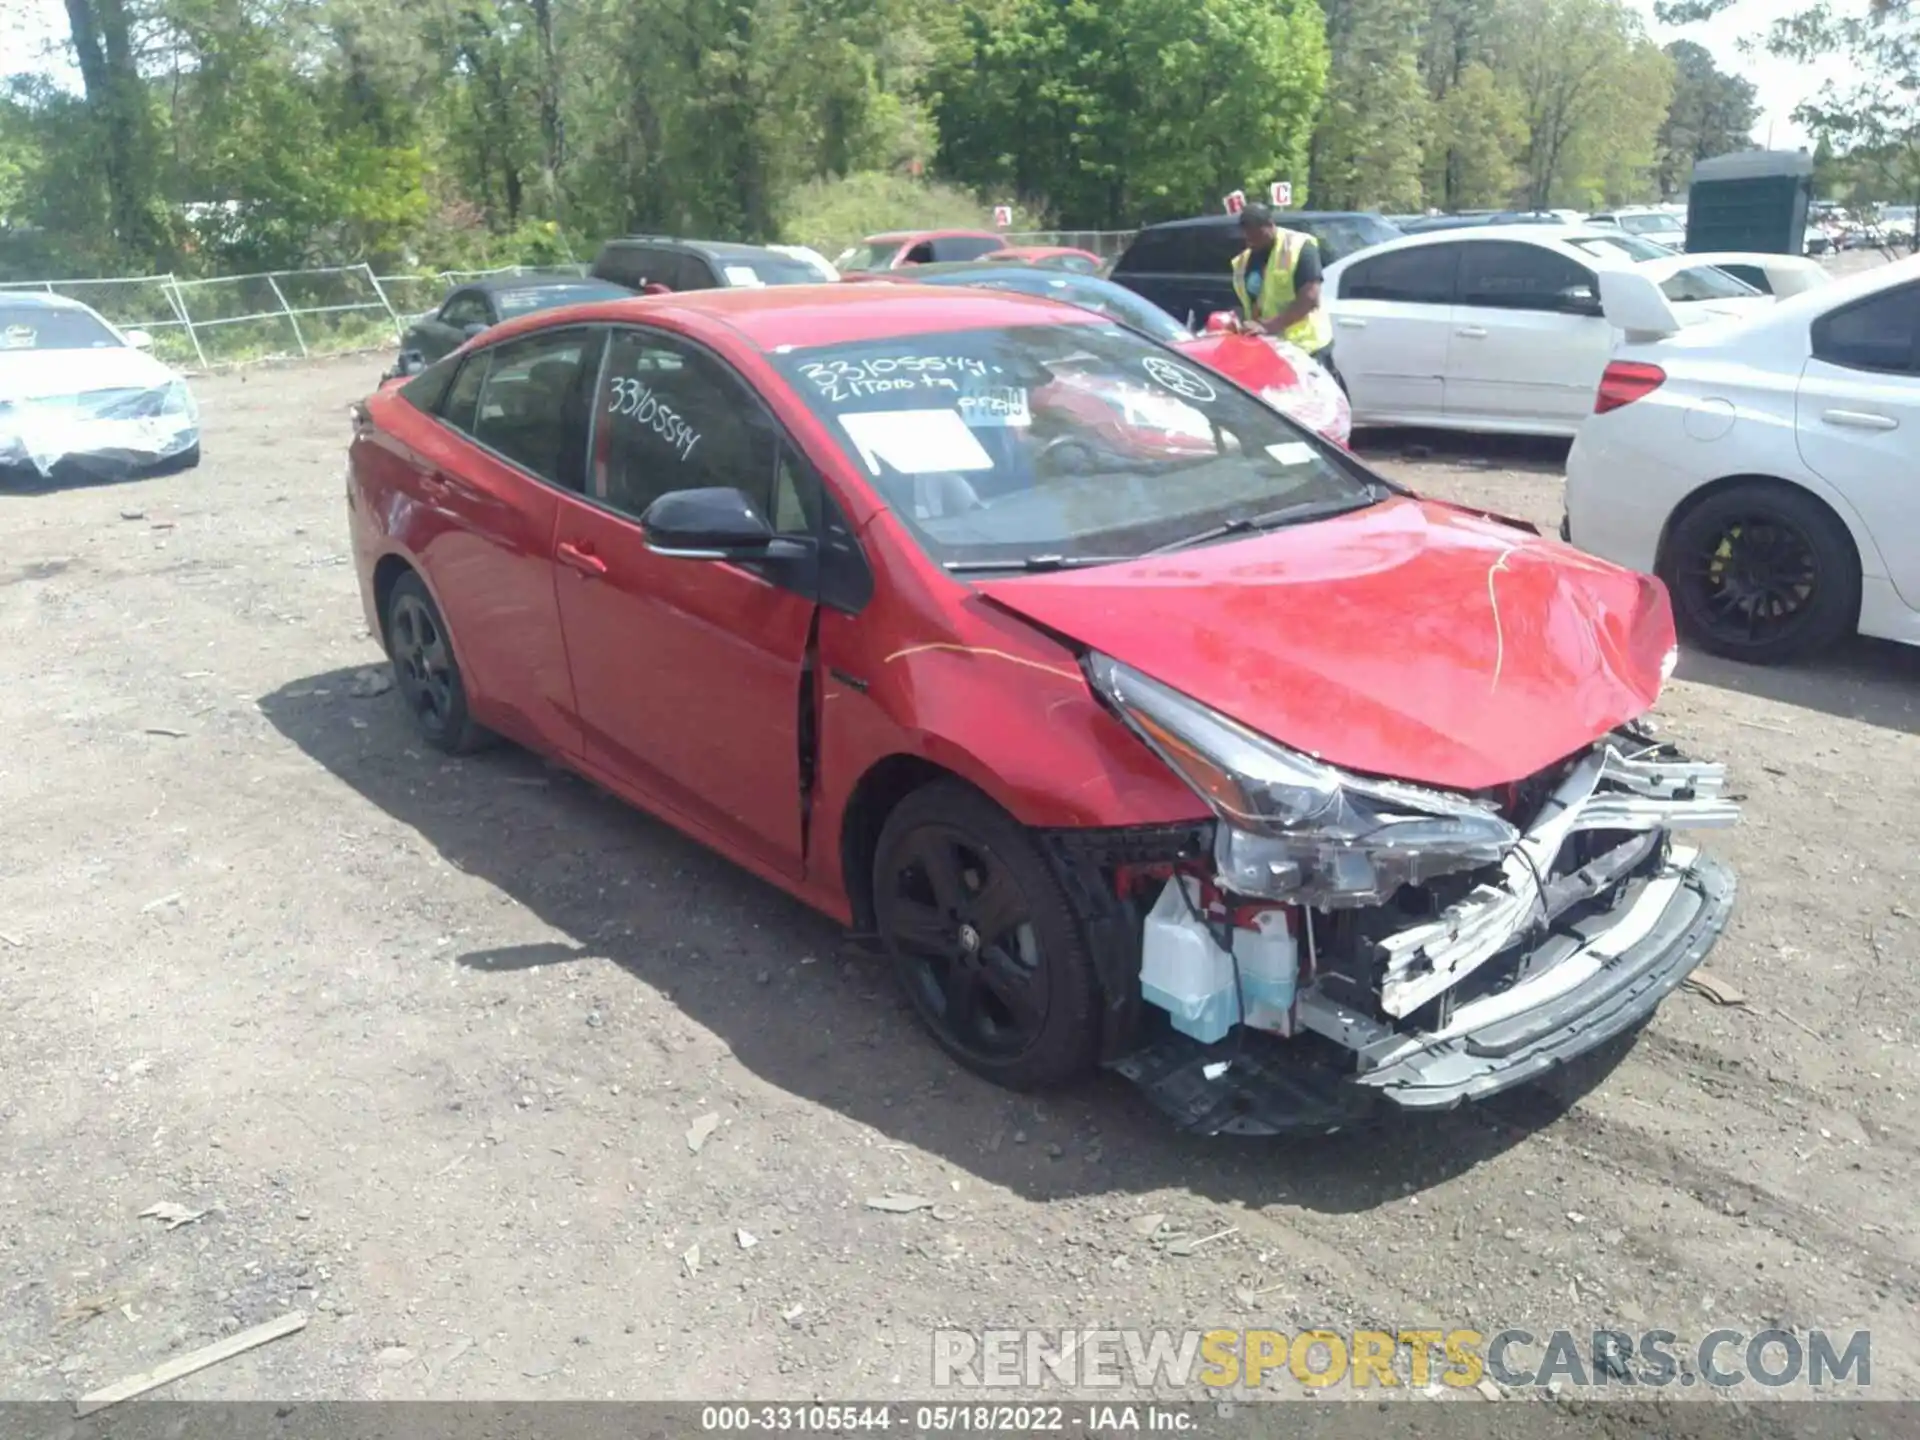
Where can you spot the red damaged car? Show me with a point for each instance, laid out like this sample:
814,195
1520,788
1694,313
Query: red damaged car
1235,768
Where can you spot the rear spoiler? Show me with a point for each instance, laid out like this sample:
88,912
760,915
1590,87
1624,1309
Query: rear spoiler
1789,275
1633,303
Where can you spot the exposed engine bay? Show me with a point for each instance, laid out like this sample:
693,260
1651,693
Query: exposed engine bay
1296,985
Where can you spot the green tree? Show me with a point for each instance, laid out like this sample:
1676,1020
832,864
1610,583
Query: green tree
1593,90
122,118
1369,146
1107,112
1479,134
1712,113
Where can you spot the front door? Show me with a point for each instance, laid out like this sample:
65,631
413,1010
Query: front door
1528,344
687,672
1859,421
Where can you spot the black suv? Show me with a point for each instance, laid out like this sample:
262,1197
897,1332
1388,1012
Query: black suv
1184,266
642,260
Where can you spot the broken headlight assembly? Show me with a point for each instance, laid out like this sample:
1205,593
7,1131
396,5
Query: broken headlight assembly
1292,828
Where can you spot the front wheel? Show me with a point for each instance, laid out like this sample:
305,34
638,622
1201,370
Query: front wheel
1762,572
982,939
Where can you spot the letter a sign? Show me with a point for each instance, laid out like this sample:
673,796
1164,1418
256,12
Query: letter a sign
1003,216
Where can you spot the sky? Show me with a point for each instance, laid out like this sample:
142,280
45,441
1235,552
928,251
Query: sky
33,29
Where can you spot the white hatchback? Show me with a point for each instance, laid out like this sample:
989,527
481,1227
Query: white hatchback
1767,469
75,389
1499,329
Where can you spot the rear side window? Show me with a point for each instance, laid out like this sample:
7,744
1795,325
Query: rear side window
464,308
1881,332
1182,250
1501,275
530,406
689,272
631,265
462,401
1418,275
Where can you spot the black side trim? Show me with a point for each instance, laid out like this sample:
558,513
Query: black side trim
850,681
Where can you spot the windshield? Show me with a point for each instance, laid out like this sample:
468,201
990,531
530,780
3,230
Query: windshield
751,271
868,255
1704,282
1630,246
525,301
35,327
1052,443
1103,297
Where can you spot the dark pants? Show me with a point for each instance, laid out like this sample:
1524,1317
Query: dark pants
1325,360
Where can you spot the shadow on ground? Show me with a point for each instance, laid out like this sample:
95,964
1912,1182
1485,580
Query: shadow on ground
1874,681
1463,451
807,1013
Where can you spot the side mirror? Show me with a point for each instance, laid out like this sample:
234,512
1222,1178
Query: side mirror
1580,300
473,328
708,524
139,339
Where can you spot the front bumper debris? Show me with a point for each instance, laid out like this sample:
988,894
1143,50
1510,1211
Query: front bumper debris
1588,982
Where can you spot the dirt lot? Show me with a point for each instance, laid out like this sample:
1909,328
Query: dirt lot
425,1039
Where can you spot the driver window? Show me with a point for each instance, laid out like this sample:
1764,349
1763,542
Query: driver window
669,416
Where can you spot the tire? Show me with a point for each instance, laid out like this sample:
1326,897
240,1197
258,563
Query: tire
1762,572
983,941
426,673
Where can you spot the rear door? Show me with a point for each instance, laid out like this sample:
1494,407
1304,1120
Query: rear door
1858,420
1392,326
1528,341
688,672
514,442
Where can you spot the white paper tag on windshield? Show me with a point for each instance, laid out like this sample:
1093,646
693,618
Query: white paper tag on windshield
1292,452
915,442
744,276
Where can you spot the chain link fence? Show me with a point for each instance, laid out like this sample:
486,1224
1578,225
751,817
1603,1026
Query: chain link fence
237,319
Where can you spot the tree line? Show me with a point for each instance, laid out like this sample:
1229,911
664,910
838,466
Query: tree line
229,135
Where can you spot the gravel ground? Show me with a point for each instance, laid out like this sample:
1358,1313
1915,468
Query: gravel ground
423,1041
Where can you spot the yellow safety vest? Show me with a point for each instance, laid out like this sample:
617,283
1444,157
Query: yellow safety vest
1312,334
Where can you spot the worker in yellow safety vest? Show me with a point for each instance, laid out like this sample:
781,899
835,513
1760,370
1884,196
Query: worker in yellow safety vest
1277,281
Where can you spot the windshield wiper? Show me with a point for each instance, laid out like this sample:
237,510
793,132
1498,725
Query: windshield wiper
1273,519
1033,564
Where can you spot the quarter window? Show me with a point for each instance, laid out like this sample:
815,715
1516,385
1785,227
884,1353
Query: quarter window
462,401
1881,332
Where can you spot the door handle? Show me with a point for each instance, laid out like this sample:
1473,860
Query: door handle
1349,322
1860,420
574,558
1471,332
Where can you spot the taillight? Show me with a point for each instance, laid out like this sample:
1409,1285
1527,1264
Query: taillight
1624,382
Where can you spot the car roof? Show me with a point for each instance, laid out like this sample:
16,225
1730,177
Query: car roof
1549,236
494,284
782,317
1280,218
716,249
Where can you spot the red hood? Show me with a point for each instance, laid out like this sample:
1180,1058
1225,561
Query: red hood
1409,639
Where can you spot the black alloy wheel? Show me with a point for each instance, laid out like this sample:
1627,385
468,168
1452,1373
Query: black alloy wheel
425,671
982,940
1762,573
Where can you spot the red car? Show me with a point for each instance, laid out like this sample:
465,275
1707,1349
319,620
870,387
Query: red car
1053,257
1233,766
916,247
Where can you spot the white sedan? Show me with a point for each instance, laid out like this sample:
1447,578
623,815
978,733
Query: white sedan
75,389
1767,469
1499,329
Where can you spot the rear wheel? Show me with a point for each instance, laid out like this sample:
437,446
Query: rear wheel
1762,572
425,671
982,939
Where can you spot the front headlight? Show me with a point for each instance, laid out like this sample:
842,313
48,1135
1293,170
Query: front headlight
1293,827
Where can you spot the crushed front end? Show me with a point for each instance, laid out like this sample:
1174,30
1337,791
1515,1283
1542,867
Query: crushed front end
1332,941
